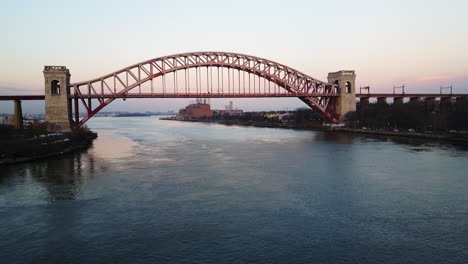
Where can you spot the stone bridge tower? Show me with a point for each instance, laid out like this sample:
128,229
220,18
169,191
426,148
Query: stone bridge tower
57,103
346,81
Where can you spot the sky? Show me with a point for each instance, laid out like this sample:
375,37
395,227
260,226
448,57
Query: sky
422,44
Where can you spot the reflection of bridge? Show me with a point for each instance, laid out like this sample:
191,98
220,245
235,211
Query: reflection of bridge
193,75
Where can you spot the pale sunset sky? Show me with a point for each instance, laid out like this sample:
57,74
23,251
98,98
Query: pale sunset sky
422,44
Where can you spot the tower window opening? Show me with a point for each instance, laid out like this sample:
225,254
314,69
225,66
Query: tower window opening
55,87
337,85
348,87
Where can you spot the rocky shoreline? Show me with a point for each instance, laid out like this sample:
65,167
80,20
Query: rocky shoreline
24,150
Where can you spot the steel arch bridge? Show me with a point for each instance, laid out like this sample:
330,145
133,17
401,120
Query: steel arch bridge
207,75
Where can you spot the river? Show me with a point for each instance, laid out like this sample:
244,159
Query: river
154,191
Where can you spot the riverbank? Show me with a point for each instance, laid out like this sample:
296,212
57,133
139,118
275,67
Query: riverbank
22,149
452,137
252,123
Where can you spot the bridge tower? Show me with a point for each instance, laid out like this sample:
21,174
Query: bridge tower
346,81
57,104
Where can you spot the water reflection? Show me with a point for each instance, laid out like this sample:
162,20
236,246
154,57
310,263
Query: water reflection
110,145
411,144
61,177
334,137
422,144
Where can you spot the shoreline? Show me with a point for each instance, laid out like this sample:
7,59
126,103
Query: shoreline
252,124
75,146
435,137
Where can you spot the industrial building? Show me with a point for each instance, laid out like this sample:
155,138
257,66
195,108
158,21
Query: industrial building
199,109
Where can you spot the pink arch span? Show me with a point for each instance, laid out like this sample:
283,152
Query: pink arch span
316,94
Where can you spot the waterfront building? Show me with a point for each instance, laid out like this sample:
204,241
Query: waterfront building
196,110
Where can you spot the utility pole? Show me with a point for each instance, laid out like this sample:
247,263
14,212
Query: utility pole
402,88
364,88
445,88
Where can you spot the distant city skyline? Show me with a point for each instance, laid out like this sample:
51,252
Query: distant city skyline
419,43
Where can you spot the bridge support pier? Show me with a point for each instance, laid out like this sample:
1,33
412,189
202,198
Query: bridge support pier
18,115
446,100
445,103
381,100
415,99
364,101
430,103
462,103
57,104
398,100
346,102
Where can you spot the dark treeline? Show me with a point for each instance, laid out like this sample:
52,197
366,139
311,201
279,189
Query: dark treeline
435,117
419,116
297,116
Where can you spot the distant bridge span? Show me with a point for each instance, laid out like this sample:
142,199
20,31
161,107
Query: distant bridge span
163,95
209,75
190,75
227,95
196,75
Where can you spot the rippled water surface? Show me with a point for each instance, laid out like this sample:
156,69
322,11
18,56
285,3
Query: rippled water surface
152,191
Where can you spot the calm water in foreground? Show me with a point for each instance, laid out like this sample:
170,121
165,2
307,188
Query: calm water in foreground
152,191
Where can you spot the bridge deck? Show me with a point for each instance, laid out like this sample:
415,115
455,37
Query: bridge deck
216,95
201,95
166,95
21,97
410,95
